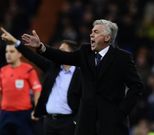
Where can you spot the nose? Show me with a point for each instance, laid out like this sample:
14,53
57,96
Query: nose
91,35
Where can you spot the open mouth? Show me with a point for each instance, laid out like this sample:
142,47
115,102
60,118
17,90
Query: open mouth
92,41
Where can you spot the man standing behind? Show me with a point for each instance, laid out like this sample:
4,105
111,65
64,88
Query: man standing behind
16,80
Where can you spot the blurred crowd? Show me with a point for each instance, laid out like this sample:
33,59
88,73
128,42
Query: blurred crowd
135,19
16,15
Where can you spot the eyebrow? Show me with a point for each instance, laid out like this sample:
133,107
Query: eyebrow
94,30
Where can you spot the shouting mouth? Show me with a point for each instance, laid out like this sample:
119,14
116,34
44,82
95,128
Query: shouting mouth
92,43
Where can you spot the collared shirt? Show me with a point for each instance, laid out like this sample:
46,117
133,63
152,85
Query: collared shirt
104,51
57,101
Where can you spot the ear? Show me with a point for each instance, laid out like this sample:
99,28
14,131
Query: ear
107,38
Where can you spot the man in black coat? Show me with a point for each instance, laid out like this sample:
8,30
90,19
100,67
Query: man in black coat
60,98
106,72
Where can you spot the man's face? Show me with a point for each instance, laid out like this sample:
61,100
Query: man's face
11,54
99,39
65,47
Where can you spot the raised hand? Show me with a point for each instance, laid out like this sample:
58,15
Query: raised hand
6,36
31,40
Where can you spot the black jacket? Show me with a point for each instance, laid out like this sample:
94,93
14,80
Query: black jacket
51,71
105,100
2,55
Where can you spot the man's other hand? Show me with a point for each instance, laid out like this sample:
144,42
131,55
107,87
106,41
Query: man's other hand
31,40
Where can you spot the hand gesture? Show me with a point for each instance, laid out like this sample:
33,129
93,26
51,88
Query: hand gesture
6,36
31,40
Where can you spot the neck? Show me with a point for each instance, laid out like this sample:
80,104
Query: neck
66,67
102,48
16,64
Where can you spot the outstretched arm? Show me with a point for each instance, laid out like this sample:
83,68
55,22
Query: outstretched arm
38,60
68,58
29,54
50,53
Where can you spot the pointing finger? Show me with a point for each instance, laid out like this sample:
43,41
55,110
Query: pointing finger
3,30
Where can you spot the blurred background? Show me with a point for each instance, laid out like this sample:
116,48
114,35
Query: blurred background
55,20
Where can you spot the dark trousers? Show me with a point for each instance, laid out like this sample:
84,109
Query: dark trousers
60,126
38,127
15,123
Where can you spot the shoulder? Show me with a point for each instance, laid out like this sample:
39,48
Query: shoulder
123,53
26,66
5,67
124,57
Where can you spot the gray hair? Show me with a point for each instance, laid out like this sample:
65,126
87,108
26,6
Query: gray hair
110,28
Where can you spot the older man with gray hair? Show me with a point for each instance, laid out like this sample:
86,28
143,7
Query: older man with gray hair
111,28
106,72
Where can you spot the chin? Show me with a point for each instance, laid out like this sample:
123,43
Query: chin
9,62
92,48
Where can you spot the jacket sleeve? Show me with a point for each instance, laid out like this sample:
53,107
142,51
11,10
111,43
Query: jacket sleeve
37,59
61,57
